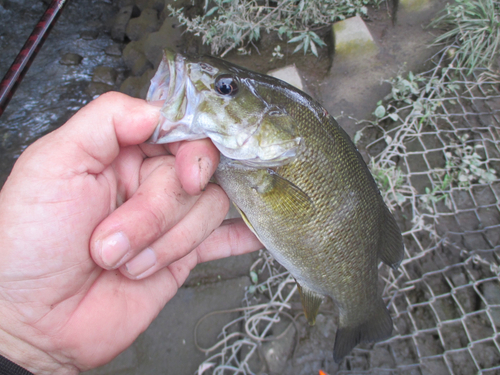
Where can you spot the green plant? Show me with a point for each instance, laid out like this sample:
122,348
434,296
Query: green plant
466,165
391,182
437,194
227,24
475,26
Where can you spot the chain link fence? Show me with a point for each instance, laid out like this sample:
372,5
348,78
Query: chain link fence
443,152
435,154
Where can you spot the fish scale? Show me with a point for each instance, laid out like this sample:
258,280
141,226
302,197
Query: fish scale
300,184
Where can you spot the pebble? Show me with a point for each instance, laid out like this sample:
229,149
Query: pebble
120,23
89,34
137,86
105,74
142,4
8,139
95,89
71,59
157,5
155,43
146,23
125,3
134,58
113,50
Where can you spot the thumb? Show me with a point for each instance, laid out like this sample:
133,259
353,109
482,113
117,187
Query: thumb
92,138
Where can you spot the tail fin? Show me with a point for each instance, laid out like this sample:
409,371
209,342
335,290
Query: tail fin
376,328
391,248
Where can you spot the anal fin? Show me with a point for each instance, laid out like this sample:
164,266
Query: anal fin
310,303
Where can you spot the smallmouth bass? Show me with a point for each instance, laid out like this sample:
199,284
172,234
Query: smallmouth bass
297,179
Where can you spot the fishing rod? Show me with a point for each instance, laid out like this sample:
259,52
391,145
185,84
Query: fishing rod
21,64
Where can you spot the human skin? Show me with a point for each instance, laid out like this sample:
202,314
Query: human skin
98,231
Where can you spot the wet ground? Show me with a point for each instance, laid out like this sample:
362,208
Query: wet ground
58,84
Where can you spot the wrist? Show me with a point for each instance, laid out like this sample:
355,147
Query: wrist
30,357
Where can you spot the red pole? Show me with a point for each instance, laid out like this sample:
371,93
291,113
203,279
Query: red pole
30,49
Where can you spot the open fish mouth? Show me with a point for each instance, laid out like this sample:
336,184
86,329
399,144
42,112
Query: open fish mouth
172,85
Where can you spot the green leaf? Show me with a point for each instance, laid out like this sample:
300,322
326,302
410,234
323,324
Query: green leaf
254,277
313,49
256,33
211,11
380,111
306,43
298,47
357,136
297,38
282,30
394,116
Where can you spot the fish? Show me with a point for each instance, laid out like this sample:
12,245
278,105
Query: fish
297,179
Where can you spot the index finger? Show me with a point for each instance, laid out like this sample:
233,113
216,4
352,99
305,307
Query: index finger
195,163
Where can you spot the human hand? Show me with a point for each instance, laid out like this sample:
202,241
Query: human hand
97,233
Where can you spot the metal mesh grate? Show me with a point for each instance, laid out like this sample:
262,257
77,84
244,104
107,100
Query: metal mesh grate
437,154
445,299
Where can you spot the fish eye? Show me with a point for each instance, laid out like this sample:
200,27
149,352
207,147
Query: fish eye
226,85
206,67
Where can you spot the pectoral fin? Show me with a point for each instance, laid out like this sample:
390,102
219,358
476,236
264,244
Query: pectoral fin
247,222
285,198
310,303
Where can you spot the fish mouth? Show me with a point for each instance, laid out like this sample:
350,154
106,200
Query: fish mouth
171,85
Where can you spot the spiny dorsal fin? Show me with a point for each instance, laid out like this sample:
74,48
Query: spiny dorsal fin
378,327
391,248
310,303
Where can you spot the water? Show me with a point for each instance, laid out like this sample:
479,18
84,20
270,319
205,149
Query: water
50,93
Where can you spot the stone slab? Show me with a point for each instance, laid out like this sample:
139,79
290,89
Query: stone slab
352,36
355,82
289,74
414,5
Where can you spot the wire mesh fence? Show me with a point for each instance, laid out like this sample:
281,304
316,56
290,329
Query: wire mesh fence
445,298
435,153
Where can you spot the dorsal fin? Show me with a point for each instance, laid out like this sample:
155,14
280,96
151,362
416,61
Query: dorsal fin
391,248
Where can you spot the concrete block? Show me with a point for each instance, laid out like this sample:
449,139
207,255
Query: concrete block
352,36
414,5
289,74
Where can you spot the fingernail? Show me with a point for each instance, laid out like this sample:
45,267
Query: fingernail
205,168
141,263
113,249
